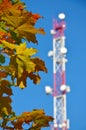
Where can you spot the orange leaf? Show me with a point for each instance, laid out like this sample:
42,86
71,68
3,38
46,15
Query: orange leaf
2,74
36,17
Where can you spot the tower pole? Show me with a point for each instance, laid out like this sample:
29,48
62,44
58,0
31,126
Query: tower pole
60,88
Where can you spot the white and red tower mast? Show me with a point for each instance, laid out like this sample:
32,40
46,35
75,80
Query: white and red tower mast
60,88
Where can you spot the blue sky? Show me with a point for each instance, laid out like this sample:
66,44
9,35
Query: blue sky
34,97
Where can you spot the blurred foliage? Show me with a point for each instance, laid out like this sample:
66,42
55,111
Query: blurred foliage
16,24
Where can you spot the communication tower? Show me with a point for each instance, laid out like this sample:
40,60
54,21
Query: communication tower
60,88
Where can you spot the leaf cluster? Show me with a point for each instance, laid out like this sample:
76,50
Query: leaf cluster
17,24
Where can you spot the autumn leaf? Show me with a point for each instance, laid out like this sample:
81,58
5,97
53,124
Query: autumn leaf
18,24
21,85
5,102
24,63
25,25
38,118
4,88
20,49
8,45
8,69
22,57
4,5
4,111
36,17
40,65
2,74
35,77
26,28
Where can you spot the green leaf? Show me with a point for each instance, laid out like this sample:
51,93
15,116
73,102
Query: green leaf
2,59
1,46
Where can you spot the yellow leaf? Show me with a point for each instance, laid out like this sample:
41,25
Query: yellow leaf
24,61
29,51
20,48
20,67
29,29
4,111
8,45
21,85
30,66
